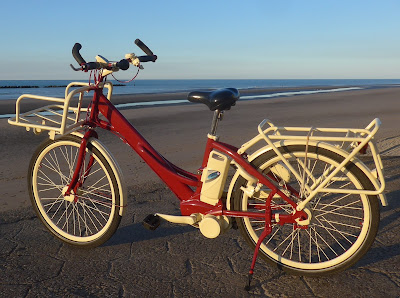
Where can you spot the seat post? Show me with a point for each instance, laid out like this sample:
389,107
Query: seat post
217,117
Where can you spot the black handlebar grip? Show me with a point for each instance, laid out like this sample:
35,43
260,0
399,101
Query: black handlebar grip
77,55
123,64
144,48
92,65
151,58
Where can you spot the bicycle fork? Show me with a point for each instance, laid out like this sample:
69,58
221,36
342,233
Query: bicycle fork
73,185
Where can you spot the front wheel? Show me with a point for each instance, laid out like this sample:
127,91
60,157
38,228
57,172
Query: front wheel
88,216
342,227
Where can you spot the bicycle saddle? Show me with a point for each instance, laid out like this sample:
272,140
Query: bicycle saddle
221,99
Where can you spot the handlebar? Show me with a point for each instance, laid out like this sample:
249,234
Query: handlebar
114,66
77,55
143,47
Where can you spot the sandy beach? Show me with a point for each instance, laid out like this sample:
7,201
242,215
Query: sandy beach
179,132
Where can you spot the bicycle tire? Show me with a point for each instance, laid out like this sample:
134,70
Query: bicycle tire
90,216
348,223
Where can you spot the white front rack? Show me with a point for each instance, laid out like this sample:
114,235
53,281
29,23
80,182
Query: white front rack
62,116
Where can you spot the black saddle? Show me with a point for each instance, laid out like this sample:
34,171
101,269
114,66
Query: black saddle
221,99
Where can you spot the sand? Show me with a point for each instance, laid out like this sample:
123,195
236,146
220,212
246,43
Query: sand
179,132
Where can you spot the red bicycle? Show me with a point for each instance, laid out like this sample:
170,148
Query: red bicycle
299,195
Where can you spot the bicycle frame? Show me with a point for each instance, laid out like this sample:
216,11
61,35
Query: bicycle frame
178,180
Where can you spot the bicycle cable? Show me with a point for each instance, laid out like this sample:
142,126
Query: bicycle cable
129,80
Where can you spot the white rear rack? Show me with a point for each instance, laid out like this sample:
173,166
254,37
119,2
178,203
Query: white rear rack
351,140
62,116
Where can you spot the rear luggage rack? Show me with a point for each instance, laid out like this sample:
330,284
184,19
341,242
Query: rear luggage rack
351,140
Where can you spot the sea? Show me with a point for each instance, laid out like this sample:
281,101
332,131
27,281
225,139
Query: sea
12,89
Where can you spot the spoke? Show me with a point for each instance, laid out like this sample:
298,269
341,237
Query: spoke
51,167
290,244
66,158
99,191
333,237
84,207
348,206
273,235
45,178
53,155
290,236
59,187
337,213
90,170
98,181
327,244
309,248
287,208
257,221
51,204
302,167
258,229
335,229
55,164
59,198
330,222
95,208
337,200
67,215
73,216
283,241
298,240
75,156
59,206
86,218
91,212
317,245
97,197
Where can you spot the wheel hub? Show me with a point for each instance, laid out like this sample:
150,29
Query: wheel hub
71,196
306,221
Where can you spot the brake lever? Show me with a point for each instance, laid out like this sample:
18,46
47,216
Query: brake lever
76,69
133,60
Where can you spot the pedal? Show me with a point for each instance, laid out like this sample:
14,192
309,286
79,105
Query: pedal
151,222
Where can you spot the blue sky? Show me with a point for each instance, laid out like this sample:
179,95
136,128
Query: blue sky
205,39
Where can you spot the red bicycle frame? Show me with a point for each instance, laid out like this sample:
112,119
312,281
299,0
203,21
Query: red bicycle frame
178,180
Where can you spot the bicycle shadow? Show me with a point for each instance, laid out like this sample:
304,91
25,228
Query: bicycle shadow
393,199
136,233
379,252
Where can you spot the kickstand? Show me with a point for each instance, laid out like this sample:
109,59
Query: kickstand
265,233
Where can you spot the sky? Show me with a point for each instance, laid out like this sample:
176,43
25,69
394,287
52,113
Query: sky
252,39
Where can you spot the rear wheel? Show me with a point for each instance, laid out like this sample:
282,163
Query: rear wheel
342,227
88,216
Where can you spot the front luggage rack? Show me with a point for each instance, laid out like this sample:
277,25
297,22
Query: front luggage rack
62,116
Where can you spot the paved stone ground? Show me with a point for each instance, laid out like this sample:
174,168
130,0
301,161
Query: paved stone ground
177,261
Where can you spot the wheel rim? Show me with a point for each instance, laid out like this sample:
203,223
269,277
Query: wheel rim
338,228
86,216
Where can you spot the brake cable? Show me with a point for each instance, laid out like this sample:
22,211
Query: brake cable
126,81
